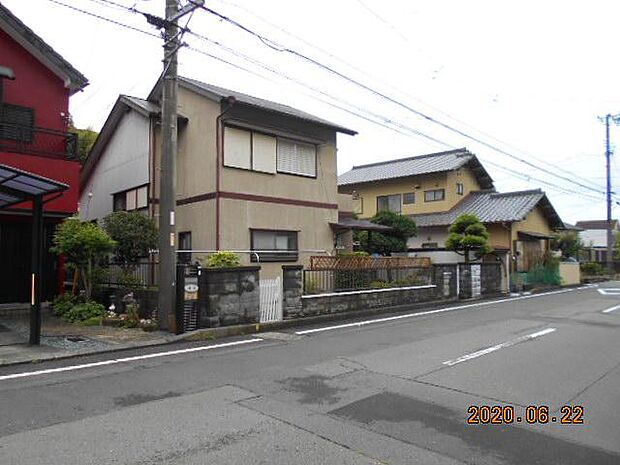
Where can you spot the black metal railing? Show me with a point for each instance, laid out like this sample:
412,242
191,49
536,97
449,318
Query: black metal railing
326,281
38,141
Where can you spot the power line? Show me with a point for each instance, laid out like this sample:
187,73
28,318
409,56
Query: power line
386,120
281,48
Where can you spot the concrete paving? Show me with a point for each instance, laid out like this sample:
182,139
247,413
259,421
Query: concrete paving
374,393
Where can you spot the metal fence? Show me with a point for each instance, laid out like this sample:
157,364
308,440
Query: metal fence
135,275
37,141
325,281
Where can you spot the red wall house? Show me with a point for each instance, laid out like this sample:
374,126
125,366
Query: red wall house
35,86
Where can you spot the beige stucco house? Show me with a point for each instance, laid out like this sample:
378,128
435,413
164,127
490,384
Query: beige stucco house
253,176
435,189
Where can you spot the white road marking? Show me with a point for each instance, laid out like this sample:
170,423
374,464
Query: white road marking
127,359
503,345
433,312
611,309
609,291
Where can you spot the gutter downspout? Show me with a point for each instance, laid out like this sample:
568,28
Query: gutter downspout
230,101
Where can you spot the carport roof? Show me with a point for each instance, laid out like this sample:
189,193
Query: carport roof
18,186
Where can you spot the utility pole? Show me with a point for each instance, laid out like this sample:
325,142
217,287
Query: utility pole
610,238
167,172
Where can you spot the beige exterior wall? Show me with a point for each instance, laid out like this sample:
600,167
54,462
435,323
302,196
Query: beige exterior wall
534,222
417,184
345,203
570,273
238,217
499,235
199,218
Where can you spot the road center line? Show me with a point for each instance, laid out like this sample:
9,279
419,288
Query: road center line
433,312
127,359
503,345
611,309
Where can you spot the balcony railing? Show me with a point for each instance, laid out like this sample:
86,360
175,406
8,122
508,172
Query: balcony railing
38,141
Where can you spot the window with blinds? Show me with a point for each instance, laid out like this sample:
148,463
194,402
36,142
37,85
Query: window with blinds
296,158
237,148
16,122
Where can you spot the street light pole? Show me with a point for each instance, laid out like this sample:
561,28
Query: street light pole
610,238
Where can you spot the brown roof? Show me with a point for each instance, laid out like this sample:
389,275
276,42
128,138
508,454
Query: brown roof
596,224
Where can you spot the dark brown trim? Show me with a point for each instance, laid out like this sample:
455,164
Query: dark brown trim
256,198
278,200
197,198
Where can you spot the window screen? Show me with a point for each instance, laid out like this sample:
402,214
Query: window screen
282,243
142,197
263,153
409,197
460,188
237,148
16,122
389,203
434,195
296,158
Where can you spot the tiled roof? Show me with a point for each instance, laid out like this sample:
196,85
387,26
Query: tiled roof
139,104
219,93
494,207
21,33
596,224
413,166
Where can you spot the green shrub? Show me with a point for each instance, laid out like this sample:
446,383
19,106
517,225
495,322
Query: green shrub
381,284
133,315
540,274
92,321
311,286
63,303
223,259
85,311
593,269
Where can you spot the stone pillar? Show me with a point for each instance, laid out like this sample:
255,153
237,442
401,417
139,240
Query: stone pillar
292,290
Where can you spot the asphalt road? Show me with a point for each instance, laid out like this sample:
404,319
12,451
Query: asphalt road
395,391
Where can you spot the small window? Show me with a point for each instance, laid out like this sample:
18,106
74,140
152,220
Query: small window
434,195
296,158
390,203
279,246
429,245
358,205
460,189
185,243
142,197
119,202
408,198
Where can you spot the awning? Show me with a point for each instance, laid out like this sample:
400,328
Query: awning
358,225
533,236
18,186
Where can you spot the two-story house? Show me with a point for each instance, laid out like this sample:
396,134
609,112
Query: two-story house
253,176
593,233
435,189
35,86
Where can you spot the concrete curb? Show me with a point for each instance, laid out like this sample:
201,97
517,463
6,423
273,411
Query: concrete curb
254,328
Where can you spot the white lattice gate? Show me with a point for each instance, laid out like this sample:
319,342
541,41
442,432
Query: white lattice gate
270,300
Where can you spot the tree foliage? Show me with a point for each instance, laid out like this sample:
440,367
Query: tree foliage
86,140
135,235
468,234
385,243
83,245
568,242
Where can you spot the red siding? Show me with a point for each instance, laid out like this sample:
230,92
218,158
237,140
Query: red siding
37,87
34,86
61,170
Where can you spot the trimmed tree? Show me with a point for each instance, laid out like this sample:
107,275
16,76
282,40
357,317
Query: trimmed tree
135,235
568,242
385,243
83,245
468,234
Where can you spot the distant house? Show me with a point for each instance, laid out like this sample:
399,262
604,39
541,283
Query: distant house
35,86
253,176
593,233
435,189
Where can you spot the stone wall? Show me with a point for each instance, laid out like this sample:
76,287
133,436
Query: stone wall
228,296
479,280
292,290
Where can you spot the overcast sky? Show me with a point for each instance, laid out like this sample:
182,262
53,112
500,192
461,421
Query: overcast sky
527,77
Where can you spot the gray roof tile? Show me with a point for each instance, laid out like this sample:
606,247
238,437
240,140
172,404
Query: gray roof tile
261,103
413,166
493,207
